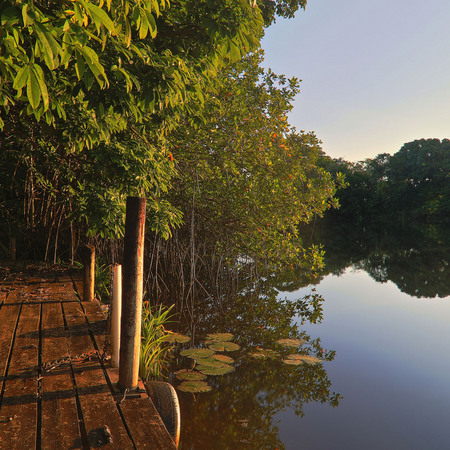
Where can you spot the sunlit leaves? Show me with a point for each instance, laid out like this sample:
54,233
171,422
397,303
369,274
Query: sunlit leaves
99,17
257,180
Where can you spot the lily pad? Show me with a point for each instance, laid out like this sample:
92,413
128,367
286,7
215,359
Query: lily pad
224,346
300,359
311,360
190,375
196,387
219,337
195,353
210,362
223,358
262,353
175,337
220,370
293,362
291,342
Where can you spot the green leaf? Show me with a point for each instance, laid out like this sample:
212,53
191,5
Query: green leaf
263,353
223,358
33,89
190,375
219,337
21,78
175,337
216,370
80,66
151,24
100,17
210,362
299,359
224,347
291,342
197,353
92,60
48,43
41,80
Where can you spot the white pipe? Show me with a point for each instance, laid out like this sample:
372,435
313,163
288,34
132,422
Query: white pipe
116,314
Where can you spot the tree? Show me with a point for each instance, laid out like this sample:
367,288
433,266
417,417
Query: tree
246,182
412,183
419,178
88,91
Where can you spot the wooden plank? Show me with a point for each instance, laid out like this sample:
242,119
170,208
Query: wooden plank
13,295
18,412
8,320
145,424
77,281
98,324
98,407
59,425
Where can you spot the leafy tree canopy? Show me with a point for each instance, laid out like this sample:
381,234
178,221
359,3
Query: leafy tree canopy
413,182
88,89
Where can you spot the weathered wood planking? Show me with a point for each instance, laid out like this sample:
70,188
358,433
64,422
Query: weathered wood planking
99,409
141,416
18,413
59,427
133,409
98,323
66,400
77,282
8,320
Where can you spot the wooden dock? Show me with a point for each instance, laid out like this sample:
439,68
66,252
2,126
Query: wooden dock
57,388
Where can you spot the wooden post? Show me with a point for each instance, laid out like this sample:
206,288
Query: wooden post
116,313
87,253
132,285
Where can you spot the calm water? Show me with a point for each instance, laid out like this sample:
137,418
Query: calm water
386,314
392,367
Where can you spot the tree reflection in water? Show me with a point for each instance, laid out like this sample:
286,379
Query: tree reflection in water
415,256
239,411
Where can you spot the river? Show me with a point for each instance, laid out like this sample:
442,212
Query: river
392,368
383,338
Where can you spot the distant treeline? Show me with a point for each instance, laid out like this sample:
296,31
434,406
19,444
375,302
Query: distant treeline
412,184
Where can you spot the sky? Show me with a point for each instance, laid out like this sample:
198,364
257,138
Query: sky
375,74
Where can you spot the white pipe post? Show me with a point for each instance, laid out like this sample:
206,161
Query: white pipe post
116,314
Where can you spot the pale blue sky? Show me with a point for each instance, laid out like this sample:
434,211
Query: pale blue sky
374,74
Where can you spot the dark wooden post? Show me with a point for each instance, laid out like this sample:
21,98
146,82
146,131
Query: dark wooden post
87,254
132,285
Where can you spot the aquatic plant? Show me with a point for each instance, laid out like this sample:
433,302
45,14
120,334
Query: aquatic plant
225,346
194,386
155,349
291,342
189,375
298,359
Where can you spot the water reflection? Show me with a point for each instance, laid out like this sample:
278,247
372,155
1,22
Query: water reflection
245,407
239,412
415,258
